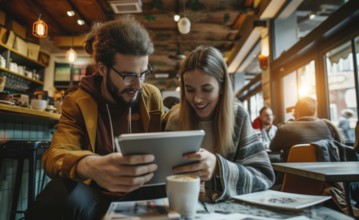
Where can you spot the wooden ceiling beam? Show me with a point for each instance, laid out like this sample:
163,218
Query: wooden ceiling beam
49,17
106,8
77,11
68,41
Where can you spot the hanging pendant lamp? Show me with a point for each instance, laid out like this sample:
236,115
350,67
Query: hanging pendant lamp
184,24
71,54
39,28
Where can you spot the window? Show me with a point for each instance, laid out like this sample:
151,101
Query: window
306,81
256,103
298,19
341,86
298,84
290,97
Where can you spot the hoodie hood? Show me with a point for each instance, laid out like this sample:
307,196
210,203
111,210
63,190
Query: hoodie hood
92,85
256,124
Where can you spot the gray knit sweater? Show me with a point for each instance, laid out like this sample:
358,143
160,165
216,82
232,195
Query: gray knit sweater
245,170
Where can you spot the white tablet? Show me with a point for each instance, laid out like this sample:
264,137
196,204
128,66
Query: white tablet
167,147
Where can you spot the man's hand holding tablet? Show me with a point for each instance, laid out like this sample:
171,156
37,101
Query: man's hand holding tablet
168,149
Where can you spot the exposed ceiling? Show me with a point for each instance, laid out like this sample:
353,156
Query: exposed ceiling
219,23
213,22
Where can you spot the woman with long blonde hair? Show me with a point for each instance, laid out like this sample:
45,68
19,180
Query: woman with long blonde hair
232,160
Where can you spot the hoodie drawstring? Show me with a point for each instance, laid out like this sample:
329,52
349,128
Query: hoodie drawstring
129,129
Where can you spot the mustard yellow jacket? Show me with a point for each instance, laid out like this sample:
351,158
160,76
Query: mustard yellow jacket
75,134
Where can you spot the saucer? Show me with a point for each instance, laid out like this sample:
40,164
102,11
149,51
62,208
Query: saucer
6,102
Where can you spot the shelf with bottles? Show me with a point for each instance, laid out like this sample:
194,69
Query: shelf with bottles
15,83
33,77
23,74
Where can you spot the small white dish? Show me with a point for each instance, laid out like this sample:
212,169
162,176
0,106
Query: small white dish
6,102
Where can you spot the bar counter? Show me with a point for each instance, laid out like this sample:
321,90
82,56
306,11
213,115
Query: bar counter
27,112
21,131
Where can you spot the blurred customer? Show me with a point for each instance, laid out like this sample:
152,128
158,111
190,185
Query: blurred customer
170,101
354,187
356,143
344,125
264,123
231,159
306,128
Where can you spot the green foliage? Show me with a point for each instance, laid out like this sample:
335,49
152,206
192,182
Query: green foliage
150,18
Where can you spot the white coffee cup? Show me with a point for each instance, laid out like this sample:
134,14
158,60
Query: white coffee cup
182,193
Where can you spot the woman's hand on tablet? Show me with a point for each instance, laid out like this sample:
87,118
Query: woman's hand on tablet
204,168
117,173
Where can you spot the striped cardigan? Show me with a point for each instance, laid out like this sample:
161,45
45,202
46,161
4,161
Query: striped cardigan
245,170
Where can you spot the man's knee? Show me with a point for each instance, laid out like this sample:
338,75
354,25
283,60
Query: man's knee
85,202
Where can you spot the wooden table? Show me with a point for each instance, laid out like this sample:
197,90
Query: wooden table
322,171
345,172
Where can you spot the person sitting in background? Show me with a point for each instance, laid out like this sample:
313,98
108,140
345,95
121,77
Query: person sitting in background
344,125
170,101
306,128
356,143
232,159
354,187
87,171
264,123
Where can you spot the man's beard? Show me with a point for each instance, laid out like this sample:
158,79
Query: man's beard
115,94
267,123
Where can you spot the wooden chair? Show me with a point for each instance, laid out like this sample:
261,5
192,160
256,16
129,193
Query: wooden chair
296,184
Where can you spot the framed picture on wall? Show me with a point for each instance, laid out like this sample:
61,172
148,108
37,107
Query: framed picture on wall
62,72
66,74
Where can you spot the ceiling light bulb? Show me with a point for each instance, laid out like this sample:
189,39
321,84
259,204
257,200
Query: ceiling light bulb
71,55
312,16
80,22
176,18
184,25
39,28
70,13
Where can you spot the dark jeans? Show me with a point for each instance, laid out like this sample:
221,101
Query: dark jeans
66,199
354,193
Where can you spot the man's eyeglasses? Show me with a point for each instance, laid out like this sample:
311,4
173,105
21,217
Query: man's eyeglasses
129,77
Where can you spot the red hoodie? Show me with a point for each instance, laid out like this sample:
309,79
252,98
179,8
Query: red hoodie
257,124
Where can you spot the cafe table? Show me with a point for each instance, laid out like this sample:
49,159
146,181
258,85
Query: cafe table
345,172
236,210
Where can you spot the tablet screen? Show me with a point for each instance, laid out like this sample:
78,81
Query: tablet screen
167,147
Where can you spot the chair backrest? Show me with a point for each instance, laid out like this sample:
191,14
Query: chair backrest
302,153
297,184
